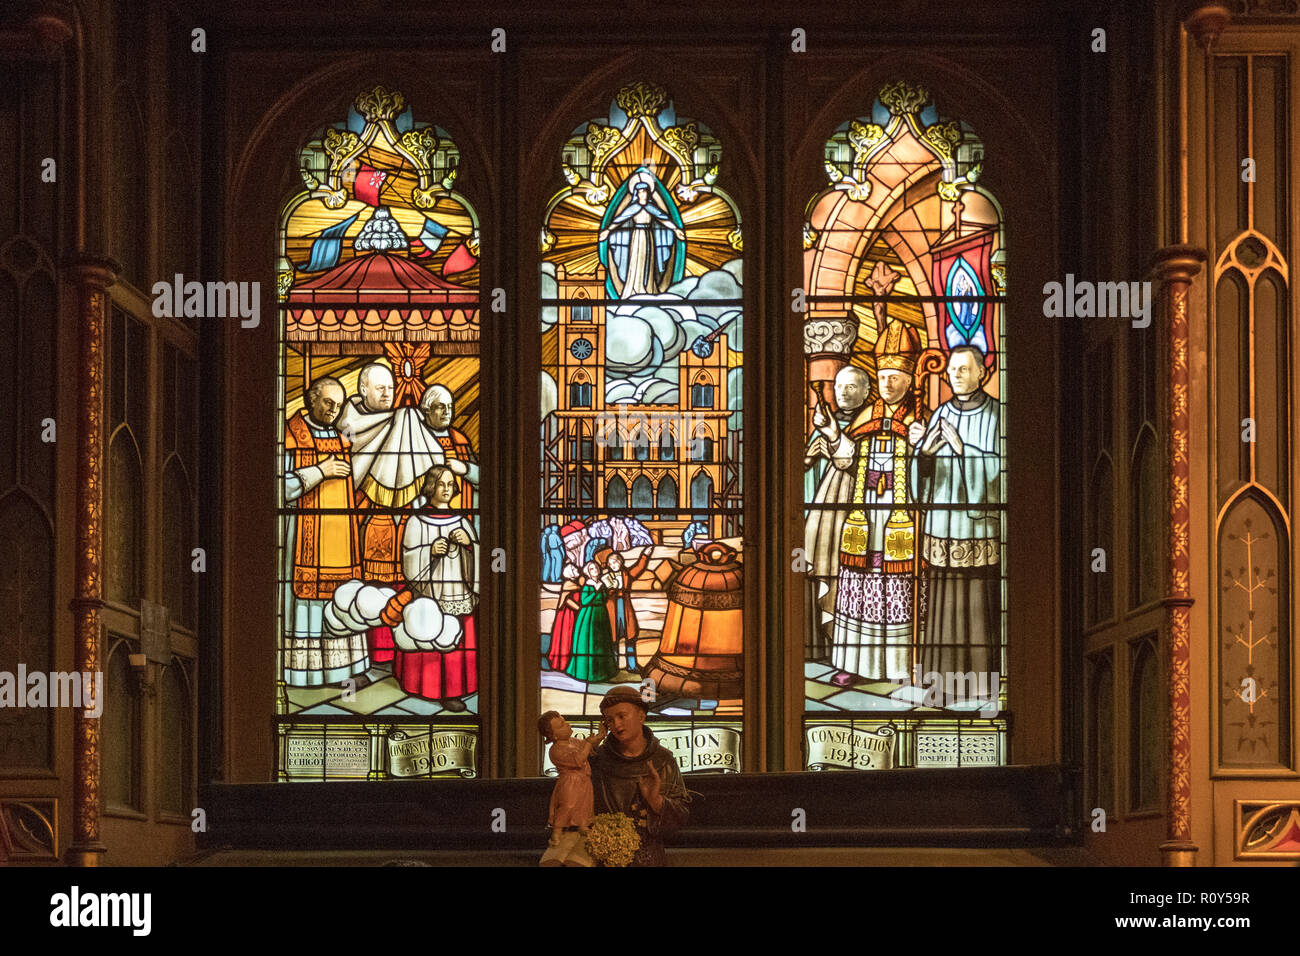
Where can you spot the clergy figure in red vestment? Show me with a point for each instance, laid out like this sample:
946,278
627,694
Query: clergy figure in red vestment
381,534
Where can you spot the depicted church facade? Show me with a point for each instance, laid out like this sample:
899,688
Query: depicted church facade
679,460
907,409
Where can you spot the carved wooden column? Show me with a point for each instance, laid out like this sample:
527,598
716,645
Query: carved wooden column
94,276
1175,268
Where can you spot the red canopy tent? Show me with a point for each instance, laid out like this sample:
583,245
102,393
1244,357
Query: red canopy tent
381,297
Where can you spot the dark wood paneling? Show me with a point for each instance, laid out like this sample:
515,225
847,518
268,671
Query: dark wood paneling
1000,806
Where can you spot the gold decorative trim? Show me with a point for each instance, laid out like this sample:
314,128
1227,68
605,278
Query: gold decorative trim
641,99
706,600
1266,830
421,144
340,144
642,103
901,98
682,140
380,104
604,142
379,107
864,137
943,139
1176,266
95,277
1231,258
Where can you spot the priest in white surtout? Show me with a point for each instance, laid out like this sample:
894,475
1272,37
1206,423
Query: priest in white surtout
957,472
392,452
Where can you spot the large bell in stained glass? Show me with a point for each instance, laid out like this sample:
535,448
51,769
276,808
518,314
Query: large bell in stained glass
700,654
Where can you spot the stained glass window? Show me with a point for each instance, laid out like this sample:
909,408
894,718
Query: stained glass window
904,272
379,390
642,312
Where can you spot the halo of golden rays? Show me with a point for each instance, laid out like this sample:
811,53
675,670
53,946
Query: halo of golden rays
575,221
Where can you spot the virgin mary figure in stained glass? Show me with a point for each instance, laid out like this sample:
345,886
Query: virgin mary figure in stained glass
965,314
641,237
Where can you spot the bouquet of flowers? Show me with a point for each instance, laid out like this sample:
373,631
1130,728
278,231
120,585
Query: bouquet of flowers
612,839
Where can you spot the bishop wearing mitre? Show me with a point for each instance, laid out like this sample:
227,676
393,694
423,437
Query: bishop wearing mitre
871,637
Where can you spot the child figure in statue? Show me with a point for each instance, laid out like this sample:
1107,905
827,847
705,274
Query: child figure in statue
572,799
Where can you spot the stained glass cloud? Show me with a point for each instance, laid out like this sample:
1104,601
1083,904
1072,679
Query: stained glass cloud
380,548
642,325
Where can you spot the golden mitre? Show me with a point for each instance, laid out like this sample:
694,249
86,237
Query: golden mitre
898,348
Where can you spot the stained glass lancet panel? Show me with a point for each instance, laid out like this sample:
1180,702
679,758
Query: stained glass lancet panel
904,492
642,338
379,423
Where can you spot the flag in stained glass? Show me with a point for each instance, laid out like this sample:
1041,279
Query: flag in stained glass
379,547
904,454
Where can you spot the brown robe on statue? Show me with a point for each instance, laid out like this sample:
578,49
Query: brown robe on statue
614,780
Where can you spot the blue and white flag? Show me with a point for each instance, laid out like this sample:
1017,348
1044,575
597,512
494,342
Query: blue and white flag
430,237
325,250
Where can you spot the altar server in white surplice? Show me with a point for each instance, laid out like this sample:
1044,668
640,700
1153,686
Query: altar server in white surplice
957,472
440,552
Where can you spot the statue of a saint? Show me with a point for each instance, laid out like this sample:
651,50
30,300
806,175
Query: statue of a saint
633,774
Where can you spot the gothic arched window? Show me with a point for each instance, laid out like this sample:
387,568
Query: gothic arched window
616,493
702,392
122,725
1146,727
1100,544
702,444
580,392
379,392
667,444
666,493
1101,733
176,741
904,259
645,235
